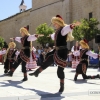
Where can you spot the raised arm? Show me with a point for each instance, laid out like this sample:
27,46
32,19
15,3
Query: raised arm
66,30
18,39
32,37
91,54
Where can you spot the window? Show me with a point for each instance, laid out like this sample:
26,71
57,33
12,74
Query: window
90,15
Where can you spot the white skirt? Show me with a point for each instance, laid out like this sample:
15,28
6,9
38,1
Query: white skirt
74,64
31,65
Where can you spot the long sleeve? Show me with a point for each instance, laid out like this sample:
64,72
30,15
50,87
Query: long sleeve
66,30
3,52
53,36
76,53
31,38
18,39
72,50
90,53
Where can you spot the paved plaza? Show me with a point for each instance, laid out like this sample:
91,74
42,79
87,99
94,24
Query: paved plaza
45,87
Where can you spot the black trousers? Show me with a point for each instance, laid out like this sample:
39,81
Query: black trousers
7,64
49,60
17,63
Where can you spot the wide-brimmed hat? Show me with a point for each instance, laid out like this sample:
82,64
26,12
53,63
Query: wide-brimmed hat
84,44
25,30
58,20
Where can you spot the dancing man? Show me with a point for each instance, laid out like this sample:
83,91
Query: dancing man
59,54
24,55
83,64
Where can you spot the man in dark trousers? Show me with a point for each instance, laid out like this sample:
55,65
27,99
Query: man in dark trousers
59,54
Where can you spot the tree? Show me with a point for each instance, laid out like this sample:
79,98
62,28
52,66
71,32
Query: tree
87,29
45,30
1,42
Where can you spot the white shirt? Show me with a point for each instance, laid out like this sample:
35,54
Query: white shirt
64,31
30,38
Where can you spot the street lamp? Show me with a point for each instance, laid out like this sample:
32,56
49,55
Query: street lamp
22,6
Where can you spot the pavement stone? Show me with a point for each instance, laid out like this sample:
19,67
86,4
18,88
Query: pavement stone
45,87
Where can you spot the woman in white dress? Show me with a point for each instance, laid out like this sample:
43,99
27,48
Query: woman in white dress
32,64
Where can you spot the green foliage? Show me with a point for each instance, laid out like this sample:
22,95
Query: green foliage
1,42
45,30
87,29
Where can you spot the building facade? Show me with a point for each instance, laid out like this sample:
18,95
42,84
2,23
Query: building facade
43,10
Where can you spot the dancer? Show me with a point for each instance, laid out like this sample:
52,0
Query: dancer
75,55
10,56
25,51
32,64
83,64
59,55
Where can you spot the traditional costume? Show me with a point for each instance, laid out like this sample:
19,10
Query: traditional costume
75,56
83,64
10,56
32,64
24,53
59,54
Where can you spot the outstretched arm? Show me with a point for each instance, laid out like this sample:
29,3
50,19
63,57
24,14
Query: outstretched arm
18,39
66,30
32,37
91,54
69,28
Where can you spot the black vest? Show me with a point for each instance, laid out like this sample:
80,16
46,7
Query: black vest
59,39
11,53
26,44
84,56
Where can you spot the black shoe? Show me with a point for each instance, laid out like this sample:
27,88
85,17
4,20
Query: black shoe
61,87
5,71
24,79
75,78
36,73
10,73
98,76
89,77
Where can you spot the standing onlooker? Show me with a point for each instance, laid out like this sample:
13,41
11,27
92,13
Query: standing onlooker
37,57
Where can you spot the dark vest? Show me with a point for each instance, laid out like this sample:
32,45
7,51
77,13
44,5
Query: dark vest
26,44
59,39
83,52
60,55
11,53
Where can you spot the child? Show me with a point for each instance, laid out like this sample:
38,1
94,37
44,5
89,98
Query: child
10,56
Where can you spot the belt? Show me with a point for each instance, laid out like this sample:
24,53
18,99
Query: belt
60,47
83,59
25,47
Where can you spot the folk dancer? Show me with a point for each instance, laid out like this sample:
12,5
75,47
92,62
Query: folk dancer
25,51
83,64
10,57
59,55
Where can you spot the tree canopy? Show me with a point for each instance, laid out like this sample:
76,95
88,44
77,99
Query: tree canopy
1,42
86,30
45,30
